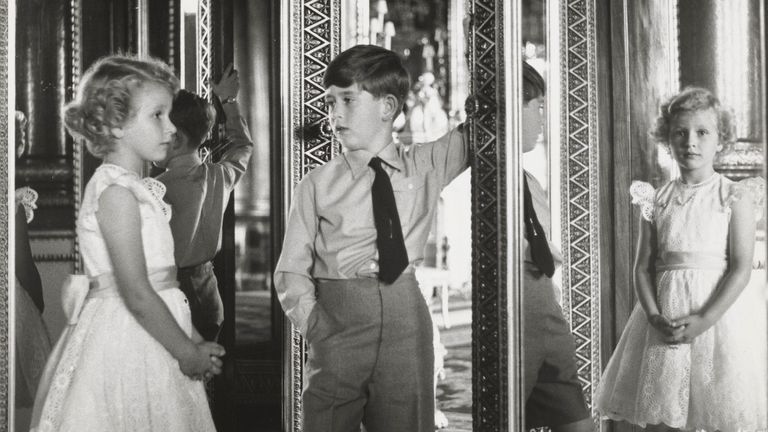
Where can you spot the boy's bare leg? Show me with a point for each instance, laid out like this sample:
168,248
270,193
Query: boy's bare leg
586,425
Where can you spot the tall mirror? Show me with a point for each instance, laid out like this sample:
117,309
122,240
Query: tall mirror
247,396
452,49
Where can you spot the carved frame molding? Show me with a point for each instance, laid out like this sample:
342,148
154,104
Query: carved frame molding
490,285
580,185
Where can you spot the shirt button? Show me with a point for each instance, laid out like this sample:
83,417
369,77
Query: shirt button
410,185
373,266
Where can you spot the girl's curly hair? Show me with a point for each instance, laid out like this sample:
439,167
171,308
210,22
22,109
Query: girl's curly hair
103,99
694,99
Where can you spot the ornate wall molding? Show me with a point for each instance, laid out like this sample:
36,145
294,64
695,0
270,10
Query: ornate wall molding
311,38
579,187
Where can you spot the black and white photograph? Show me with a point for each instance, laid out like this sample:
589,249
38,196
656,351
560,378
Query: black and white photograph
383,216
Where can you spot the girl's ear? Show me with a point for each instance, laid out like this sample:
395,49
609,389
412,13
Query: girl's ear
390,107
117,132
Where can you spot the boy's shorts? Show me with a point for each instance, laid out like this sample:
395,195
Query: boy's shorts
552,390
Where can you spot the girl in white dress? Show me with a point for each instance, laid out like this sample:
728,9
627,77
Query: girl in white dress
129,359
693,353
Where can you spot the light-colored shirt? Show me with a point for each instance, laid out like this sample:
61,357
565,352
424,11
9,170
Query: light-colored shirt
330,232
198,192
541,207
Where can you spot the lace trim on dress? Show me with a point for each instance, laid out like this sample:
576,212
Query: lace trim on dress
27,197
157,189
752,188
139,186
643,195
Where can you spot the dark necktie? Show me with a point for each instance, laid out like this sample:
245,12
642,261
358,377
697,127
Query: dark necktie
537,241
393,258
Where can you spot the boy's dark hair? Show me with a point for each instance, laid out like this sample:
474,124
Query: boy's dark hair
193,115
376,70
533,83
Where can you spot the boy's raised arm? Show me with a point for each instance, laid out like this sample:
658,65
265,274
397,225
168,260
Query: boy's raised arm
450,154
239,148
293,280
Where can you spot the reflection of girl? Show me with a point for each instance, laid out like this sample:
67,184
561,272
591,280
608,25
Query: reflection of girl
32,341
693,353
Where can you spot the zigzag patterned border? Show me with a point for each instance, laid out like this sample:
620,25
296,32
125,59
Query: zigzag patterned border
204,49
315,29
581,267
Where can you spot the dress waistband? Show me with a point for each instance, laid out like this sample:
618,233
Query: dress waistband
105,285
691,260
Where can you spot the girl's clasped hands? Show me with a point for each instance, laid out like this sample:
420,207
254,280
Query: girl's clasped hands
682,330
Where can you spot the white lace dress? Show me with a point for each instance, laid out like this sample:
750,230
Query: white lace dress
107,373
718,382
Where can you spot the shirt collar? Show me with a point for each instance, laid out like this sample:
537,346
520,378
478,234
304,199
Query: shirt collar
186,160
357,160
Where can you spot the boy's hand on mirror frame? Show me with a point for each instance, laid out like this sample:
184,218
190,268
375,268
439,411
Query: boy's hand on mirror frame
229,84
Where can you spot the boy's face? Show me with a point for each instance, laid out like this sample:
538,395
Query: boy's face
533,122
358,118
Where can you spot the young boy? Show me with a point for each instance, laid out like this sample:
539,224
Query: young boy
357,227
553,394
198,193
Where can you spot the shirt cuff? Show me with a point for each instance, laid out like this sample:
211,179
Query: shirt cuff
299,315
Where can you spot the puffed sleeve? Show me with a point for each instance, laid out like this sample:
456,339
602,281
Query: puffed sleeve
27,198
643,195
752,188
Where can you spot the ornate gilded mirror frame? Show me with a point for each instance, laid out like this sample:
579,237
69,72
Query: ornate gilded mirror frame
579,185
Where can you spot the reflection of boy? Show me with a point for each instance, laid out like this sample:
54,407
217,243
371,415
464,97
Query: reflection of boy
198,193
357,227
553,394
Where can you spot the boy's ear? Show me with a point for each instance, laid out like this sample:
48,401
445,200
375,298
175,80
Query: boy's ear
178,141
390,107
117,132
